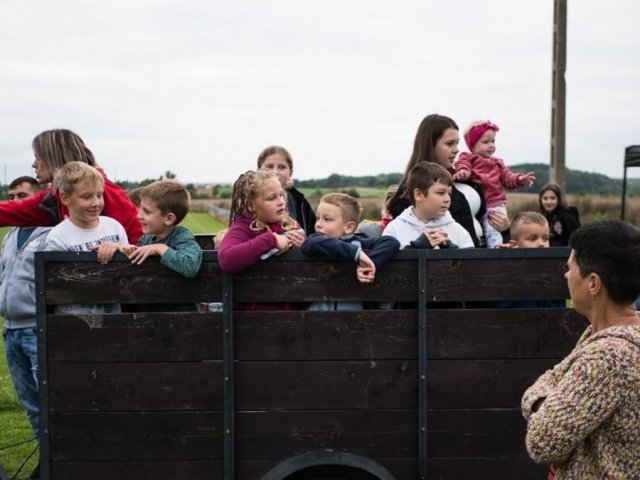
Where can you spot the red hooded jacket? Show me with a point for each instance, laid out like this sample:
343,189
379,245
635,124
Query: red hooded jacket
46,209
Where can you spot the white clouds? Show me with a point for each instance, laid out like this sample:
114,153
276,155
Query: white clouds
201,87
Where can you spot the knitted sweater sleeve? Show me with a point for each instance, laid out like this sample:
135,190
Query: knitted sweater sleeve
584,397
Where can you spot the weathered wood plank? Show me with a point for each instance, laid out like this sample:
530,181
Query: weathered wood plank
135,386
122,282
273,435
496,279
135,436
484,333
284,281
140,337
321,385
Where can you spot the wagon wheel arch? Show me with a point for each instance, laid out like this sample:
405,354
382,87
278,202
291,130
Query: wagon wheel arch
328,465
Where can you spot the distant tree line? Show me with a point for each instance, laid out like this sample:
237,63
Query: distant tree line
578,182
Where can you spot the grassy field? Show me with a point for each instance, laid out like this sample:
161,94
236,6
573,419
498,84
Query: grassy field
14,426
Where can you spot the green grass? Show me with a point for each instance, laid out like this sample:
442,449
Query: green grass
14,426
202,222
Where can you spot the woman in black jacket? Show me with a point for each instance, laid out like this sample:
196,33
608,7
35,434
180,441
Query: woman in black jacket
437,142
279,160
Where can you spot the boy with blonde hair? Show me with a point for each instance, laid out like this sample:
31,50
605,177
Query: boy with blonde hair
163,205
427,223
528,230
81,189
337,217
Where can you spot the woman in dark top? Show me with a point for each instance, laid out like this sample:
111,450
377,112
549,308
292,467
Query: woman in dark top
278,160
563,220
437,142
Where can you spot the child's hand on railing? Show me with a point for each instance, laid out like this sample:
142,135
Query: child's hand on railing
106,251
127,249
366,269
282,244
509,244
296,237
140,254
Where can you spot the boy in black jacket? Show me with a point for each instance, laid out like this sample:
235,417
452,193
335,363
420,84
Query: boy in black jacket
337,217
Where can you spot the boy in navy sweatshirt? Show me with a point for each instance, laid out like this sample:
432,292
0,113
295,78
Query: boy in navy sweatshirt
337,217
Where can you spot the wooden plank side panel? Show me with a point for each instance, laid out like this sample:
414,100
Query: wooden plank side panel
135,436
122,282
451,433
145,436
286,281
496,279
140,337
139,470
384,384
383,334
334,385
135,386
374,334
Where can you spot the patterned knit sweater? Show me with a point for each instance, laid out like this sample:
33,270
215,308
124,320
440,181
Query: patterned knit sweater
589,423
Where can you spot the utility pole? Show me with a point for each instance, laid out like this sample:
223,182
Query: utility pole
558,95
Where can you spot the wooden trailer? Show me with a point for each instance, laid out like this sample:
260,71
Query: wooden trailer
420,392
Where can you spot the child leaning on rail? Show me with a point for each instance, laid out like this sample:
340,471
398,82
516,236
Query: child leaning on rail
336,221
427,223
259,226
81,189
163,205
529,230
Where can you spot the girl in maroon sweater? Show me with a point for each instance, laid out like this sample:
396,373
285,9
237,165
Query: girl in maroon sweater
259,226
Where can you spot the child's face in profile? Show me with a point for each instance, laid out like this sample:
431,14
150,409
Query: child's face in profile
85,203
434,204
330,221
270,206
278,165
486,146
532,235
153,221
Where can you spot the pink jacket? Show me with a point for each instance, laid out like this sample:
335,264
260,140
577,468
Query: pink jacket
492,175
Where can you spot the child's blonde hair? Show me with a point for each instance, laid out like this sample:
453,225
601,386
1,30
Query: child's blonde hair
349,206
72,173
170,196
523,218
246,190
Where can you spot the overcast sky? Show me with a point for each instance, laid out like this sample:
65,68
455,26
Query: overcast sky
201,87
